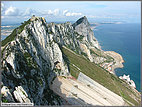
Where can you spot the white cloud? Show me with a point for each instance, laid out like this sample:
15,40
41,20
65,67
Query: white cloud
29,12
12,11
73,14
50,12
54,12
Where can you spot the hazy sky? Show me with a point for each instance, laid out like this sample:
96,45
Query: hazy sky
97,11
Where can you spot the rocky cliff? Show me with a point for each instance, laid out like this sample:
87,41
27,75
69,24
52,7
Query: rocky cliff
32,57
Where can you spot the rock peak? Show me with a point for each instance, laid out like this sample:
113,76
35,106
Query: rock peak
83,20
85,17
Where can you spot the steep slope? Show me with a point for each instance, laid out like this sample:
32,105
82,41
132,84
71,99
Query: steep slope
30,62
79,64
33,55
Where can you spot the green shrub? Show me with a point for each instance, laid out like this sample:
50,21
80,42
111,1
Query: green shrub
80,37
26,55
4,100
82,53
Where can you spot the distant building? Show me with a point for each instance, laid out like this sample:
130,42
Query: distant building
128,80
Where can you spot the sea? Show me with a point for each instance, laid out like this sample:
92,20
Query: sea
124,39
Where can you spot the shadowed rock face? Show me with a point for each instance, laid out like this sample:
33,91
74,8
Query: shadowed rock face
82,20
82,27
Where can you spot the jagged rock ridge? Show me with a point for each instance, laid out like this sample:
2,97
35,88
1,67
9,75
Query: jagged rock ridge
34,57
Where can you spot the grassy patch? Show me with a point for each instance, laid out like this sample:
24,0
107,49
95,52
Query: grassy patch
74,72
96,52
21,28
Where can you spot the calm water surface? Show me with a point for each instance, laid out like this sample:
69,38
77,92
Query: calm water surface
124,39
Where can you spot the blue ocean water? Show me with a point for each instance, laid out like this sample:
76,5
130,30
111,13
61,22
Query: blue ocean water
124,39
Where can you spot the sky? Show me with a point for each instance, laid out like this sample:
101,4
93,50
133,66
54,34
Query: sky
58,11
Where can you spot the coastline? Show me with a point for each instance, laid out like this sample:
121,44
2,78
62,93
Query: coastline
125,69
118,59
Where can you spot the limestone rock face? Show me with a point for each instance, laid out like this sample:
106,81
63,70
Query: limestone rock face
20,95
29,65
82,26
34,58
87,51
6,94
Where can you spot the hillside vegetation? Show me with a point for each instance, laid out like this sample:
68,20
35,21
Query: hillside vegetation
16,31
100,75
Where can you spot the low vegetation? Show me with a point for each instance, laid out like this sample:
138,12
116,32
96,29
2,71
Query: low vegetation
80,37
98,53
100,75
30,62
3,99
9,38
16,31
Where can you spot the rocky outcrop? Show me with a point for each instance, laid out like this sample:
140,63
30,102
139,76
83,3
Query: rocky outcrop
82,27
29,64
20,95
85,49
33,58
6,94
